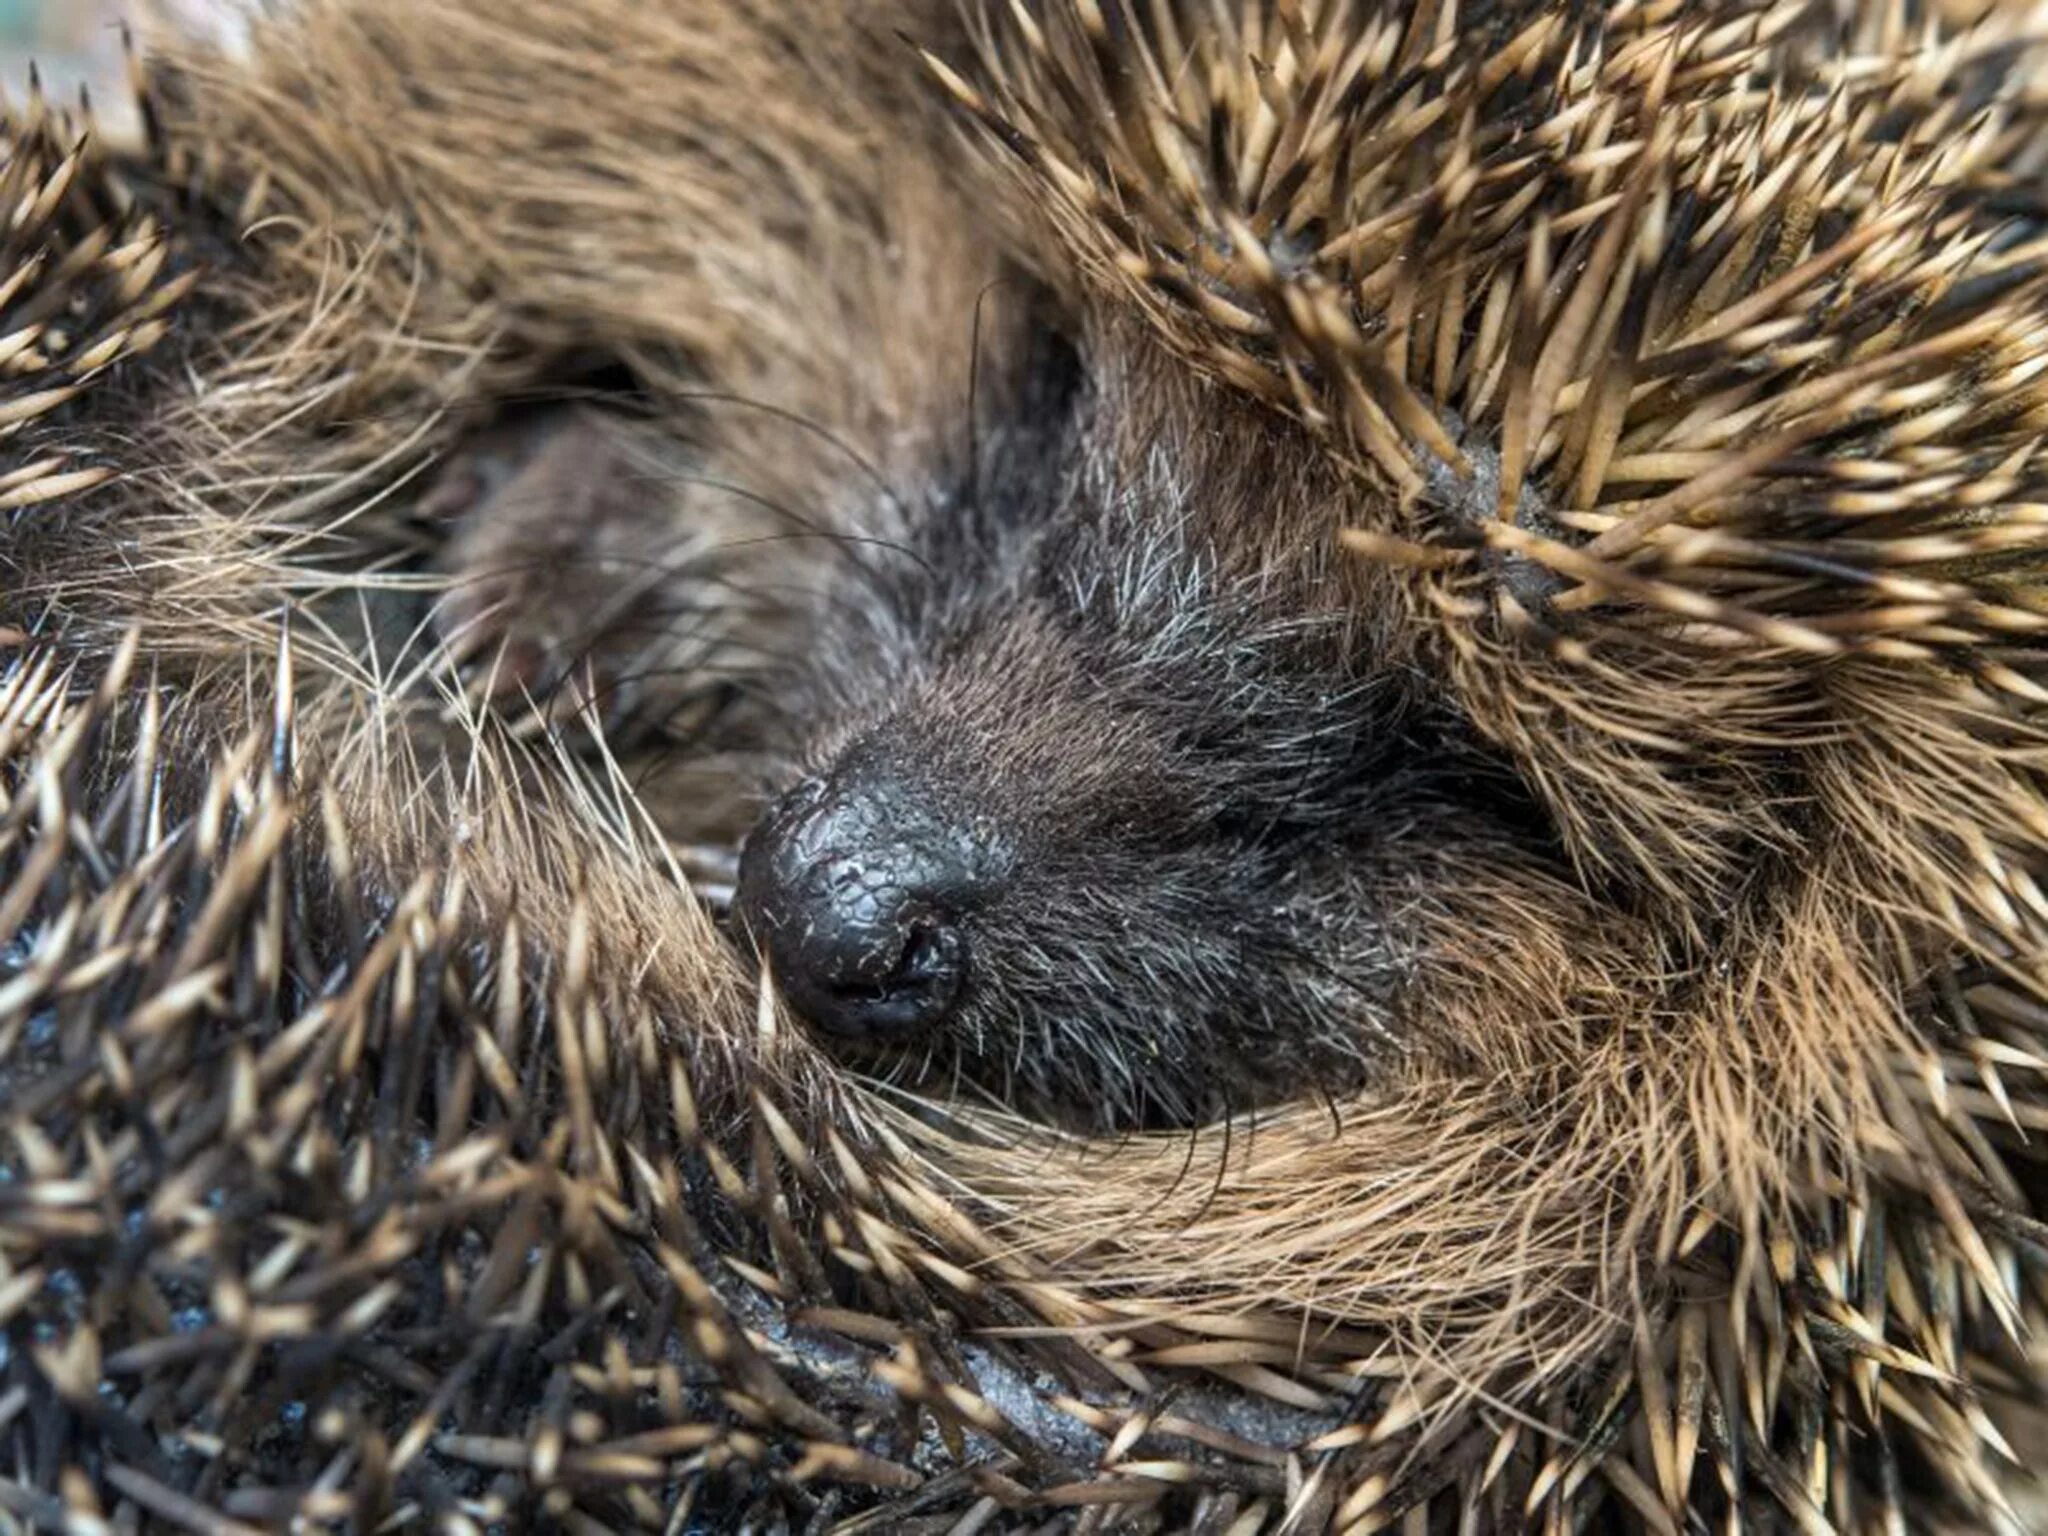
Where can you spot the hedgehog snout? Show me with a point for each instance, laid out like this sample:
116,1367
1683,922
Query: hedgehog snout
857,891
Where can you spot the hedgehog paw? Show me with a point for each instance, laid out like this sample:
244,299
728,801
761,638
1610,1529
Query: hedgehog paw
552,556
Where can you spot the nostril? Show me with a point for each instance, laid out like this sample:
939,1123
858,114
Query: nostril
932,956
918,990
856,895
859,967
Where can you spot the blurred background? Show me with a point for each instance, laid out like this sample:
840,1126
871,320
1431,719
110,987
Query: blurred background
76,42
72,39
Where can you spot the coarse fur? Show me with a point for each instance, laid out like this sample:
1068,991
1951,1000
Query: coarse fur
1594,453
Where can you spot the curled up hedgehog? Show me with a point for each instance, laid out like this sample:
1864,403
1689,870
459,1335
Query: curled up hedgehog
1221,765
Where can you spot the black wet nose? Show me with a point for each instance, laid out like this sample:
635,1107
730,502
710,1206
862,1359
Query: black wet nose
856,890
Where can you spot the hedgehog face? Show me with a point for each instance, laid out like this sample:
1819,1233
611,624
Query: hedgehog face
1045,847
1105,797
1096,780
1026,857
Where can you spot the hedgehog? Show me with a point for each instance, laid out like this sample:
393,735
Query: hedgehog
1504,540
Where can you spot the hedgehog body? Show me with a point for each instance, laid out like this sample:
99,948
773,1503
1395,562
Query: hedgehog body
1544,499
